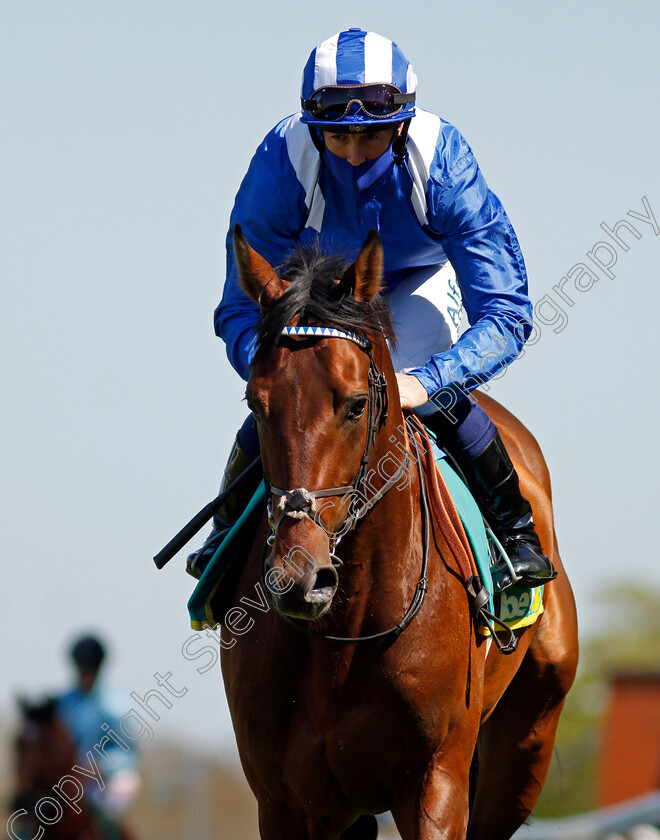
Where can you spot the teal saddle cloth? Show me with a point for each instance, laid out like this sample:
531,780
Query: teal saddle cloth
209,601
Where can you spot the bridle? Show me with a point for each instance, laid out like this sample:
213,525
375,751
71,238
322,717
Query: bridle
301,503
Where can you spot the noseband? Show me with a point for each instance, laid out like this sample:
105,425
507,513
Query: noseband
300,503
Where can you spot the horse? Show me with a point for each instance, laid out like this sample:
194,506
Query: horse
45,754
366,687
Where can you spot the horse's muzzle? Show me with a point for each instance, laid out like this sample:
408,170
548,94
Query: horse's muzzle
299,585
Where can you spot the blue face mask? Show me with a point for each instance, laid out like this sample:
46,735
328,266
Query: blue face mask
358,178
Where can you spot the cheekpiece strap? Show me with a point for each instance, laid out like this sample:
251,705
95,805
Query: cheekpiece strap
326,332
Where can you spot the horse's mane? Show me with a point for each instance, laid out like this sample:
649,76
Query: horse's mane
318,299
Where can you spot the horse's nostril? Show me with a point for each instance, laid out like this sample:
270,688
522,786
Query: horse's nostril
325,579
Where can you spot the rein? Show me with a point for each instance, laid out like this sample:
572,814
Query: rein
300,502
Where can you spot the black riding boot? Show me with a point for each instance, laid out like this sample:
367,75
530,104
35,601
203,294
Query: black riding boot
230,511
493,480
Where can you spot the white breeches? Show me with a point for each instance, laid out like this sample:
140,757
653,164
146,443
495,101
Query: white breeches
426,311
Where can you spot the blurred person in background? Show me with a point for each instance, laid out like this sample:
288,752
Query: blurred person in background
90,710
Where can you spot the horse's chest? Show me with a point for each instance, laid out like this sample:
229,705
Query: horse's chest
354,749
350,735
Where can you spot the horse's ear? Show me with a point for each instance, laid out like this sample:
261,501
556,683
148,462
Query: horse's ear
259,280
364,278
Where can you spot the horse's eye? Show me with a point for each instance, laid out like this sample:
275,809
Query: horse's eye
356,408
253,406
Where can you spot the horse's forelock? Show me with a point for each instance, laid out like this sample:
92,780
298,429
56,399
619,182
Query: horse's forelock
314,295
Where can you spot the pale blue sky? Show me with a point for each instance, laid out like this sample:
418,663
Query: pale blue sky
125,128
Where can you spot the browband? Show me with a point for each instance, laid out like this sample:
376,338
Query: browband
326,332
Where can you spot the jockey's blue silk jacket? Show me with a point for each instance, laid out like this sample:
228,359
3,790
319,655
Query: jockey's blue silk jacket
436,206
85,713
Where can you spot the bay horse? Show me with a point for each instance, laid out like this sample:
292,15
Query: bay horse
332,731
45,754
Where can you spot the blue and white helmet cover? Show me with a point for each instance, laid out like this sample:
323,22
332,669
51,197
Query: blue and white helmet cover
356,57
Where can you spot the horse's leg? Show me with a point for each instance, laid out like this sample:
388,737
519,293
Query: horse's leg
280,822
283,822
366,828
515,744
437,809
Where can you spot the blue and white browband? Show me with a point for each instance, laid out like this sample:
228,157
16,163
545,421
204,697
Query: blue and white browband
326,332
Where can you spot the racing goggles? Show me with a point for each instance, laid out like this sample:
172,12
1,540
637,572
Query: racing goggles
332,102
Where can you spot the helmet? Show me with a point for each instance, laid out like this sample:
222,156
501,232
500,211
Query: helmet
355,81
88,653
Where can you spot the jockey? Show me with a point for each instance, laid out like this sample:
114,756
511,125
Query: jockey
90,710
360,155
